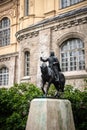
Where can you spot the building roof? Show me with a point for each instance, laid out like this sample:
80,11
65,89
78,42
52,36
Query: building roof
55,18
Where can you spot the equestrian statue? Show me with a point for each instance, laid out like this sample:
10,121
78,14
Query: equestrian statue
52,74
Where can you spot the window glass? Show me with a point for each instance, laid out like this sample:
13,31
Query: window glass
27,63
4,76
26,4
72,55
66,3
4,32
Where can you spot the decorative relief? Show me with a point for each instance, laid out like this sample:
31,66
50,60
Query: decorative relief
69,24
4,59
11,10
60,26
28,35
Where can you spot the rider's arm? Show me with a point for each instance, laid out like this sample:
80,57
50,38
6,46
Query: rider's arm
44,60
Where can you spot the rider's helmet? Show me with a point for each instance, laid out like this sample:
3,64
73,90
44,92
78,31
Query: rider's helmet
51,53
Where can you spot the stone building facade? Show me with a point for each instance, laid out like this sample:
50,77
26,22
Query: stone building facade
46,25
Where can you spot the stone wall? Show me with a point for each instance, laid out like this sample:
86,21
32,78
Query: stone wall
10,62
50,35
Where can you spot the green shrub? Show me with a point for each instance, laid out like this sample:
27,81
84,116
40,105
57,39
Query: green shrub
14,105
79,106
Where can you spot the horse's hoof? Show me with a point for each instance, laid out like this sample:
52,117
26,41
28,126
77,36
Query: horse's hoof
57,95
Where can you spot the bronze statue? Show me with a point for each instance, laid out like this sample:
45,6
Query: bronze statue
52,74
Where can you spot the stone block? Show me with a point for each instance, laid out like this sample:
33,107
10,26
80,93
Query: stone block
50,114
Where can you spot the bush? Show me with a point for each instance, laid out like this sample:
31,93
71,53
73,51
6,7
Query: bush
79,106
14,105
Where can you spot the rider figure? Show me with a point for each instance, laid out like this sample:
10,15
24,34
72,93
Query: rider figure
53,64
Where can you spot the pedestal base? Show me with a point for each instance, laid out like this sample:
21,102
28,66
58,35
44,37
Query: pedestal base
50,114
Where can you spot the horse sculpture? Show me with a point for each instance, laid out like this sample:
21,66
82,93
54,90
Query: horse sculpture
49,77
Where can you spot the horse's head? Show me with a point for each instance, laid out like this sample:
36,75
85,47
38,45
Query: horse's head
44,68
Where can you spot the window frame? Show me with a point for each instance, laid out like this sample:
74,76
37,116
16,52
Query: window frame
5,32
4,76
26,63
69,3
71,58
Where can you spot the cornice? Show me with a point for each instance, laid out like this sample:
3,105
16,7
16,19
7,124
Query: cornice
70,23
4,59
56,23
7,56
27,35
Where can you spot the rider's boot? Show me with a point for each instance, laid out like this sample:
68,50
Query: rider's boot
57,78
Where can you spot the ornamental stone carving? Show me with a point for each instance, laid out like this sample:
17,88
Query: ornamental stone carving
69,24
28,35
4,59
10,10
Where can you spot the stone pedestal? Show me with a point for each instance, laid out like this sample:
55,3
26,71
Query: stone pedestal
50,114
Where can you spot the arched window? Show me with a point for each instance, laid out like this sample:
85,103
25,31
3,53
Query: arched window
27,63
72,55
4,32
26,7
4,76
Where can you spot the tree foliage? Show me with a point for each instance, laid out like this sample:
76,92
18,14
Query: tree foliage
79,106
14,105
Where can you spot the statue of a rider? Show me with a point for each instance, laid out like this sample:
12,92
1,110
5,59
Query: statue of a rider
53,64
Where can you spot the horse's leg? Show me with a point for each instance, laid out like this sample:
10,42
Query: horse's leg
61,89
47,89
43,87
48,86
57,93
43,90
57,90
